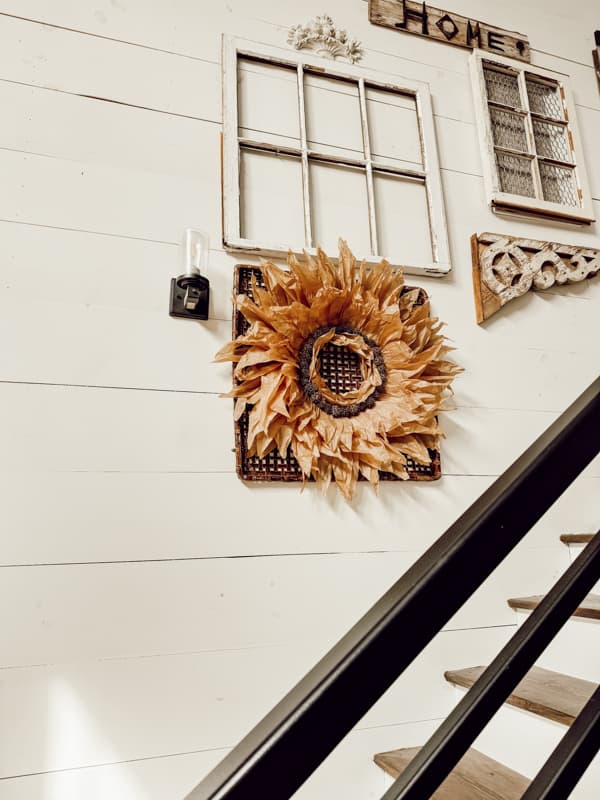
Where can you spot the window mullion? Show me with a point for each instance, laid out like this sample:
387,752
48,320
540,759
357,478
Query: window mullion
369,165
331,158
308,239
271,147
537,179
392,169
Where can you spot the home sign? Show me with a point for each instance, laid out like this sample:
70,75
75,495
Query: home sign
445,26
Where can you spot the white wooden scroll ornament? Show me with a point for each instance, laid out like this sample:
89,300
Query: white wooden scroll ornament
505,267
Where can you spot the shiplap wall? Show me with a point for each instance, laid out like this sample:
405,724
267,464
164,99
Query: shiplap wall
153,607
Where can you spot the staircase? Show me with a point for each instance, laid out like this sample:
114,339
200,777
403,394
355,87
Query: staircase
550,695
278,755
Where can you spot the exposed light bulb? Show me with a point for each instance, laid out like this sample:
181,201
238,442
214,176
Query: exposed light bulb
195,251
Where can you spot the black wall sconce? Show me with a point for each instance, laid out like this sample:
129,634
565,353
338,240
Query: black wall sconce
190,291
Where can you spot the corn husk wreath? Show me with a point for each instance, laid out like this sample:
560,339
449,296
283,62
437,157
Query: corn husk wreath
402,356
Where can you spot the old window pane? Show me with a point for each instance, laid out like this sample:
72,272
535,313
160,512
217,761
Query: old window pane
544,98
271,198
502,87
551,141
558,184
508,129
515,174
402,227
333,123
393,128
268,103
339,207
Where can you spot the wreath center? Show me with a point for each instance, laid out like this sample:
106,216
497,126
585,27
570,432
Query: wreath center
340,367
341,370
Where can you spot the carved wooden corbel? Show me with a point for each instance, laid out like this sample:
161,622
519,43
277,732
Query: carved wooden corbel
505,267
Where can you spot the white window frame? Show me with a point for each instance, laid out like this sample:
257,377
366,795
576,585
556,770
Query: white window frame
506,202
233,49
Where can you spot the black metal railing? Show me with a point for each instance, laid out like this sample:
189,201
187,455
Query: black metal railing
283,750
456,734
573,754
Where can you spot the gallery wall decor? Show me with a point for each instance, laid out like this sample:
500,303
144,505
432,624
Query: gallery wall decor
315,149
531,151
323,36
446,26
339,373
506,267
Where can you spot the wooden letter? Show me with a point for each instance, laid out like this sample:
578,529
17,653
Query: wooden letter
473,33
495,41
411,13
447,26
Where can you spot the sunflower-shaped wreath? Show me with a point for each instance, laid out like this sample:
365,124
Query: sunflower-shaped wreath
281,369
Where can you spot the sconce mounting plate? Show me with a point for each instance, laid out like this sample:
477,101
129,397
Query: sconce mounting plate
189,297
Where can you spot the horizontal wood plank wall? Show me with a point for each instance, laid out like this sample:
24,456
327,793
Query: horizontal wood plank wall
152,606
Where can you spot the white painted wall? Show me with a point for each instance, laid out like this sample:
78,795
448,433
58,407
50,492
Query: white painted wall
152,607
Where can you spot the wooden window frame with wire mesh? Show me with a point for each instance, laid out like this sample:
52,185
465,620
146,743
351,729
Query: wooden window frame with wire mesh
309,63
564,123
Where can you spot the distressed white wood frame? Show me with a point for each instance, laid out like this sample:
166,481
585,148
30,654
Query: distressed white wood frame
428,175
505,202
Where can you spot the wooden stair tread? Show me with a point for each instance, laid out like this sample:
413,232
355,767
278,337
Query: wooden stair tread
577,538
549,694
475,777
590,608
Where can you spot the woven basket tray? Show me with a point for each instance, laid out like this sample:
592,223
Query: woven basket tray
339,375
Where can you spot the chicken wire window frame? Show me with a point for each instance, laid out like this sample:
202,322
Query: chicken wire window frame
305,64
529,138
